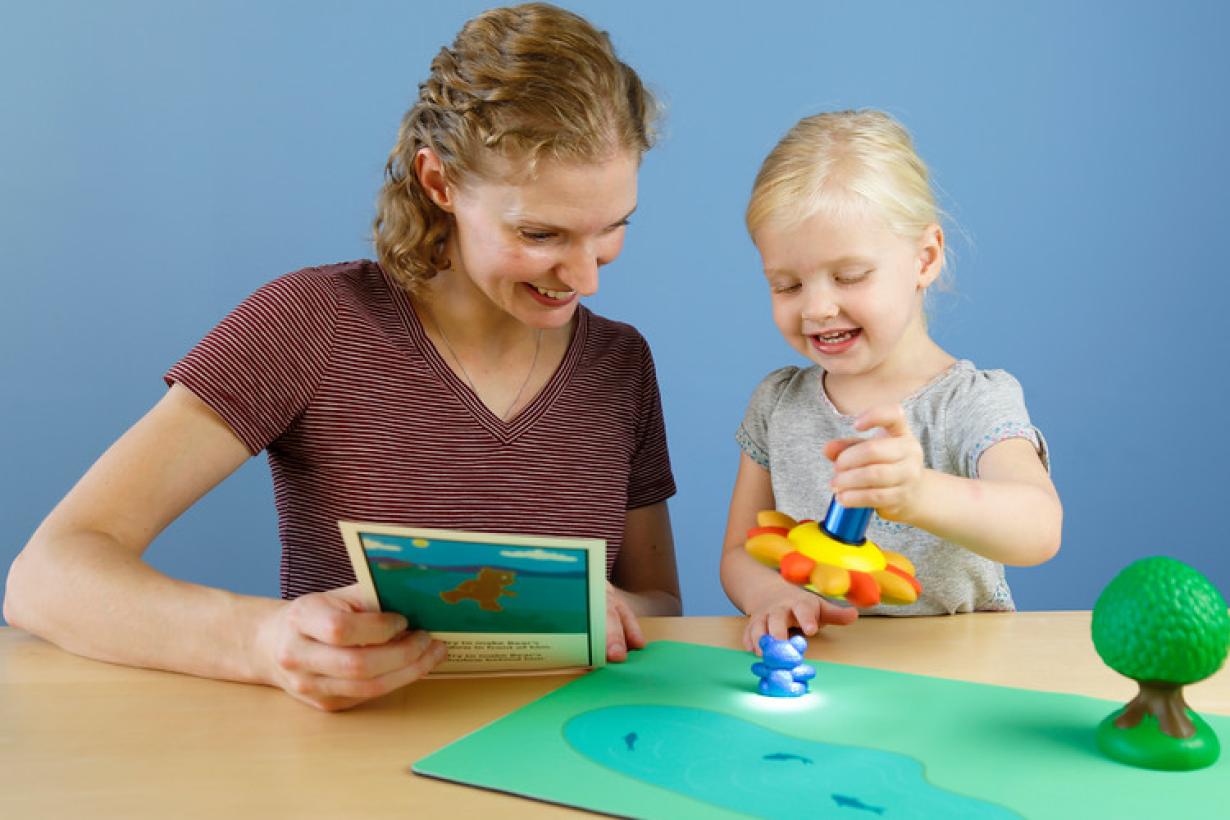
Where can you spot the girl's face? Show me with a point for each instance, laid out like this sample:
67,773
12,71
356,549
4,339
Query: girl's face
847,291
533,246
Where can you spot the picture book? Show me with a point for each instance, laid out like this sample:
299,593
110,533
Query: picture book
503,604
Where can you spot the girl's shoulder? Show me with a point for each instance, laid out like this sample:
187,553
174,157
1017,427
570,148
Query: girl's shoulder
964,383
790,377
784,387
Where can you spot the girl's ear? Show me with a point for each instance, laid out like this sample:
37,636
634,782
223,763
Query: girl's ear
429,171
930,256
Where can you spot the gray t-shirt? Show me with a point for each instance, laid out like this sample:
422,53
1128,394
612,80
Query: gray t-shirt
956,417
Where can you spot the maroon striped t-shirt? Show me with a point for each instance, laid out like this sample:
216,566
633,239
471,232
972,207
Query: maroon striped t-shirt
330,371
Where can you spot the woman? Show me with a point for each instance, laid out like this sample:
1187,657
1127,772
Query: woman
457,383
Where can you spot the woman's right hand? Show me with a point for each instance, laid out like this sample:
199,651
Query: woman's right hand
326,650
781,607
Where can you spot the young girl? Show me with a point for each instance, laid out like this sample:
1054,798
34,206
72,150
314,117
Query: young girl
848,232
455,383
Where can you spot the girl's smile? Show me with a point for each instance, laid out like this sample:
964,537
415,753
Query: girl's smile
847,292
834,342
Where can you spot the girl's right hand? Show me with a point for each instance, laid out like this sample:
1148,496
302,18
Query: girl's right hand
327,651
784,607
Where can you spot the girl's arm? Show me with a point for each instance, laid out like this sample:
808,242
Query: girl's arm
772,604
645,579
1010,514
81,583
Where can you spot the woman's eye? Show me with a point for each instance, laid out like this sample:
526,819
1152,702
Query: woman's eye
537,236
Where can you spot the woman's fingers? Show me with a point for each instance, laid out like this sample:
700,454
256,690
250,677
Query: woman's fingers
333,693
332,619
622,630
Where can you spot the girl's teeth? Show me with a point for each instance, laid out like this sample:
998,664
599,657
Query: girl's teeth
835,337
553,294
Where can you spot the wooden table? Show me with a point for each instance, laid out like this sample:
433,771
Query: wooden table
84,738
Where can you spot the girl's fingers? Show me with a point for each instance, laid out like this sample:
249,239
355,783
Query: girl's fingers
806,615
874,451
889,417
872,477
831,613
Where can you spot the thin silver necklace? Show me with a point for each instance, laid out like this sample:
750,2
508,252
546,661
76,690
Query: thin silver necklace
466,374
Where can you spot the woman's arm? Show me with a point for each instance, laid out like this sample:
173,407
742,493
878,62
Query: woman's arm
645,571
644,580
772,604
81,582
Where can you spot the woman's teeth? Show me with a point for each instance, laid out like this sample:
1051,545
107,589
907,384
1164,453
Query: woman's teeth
554,294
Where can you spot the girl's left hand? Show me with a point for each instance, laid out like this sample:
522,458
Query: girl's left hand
622,630
885,471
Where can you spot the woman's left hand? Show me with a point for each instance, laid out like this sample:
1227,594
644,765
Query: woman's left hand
885,471
622,630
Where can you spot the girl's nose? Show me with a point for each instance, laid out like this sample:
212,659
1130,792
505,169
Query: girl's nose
820,307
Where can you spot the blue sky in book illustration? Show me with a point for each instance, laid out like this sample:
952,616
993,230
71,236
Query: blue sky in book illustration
393,549
461,586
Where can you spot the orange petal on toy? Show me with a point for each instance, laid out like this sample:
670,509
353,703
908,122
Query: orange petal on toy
773,518
754,531
864,591
896,559
768,548
895,588
830,580
913,581
796,567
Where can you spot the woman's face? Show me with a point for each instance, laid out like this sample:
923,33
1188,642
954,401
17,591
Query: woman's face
533,246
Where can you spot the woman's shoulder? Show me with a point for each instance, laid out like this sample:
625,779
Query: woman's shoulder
358,277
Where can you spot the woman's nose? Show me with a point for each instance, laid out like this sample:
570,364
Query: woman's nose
579,269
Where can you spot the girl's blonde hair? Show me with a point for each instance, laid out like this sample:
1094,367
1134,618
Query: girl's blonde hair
840,163
524,83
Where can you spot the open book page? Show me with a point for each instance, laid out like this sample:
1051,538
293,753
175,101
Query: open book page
504,604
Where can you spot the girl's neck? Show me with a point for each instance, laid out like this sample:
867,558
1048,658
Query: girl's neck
890,383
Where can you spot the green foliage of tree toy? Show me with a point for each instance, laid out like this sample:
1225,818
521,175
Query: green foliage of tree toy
1163,624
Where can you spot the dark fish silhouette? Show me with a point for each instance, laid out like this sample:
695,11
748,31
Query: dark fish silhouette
630,739
806,761
854,803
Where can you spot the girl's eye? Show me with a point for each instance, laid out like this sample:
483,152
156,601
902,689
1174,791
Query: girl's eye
623,223
536,236
851,278
789,287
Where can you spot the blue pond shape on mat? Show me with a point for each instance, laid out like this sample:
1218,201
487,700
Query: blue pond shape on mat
748,768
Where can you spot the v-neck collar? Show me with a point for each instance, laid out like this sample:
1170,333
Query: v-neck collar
504,431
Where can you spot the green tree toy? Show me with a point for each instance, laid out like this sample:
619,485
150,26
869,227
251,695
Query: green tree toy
1163,624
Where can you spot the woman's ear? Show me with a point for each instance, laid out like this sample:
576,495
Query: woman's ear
930,256
429,171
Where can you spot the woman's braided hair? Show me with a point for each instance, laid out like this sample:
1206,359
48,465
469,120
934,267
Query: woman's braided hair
523,83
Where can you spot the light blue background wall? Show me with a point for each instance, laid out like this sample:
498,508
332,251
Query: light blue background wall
159,161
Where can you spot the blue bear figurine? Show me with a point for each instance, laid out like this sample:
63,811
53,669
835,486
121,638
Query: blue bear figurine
782,672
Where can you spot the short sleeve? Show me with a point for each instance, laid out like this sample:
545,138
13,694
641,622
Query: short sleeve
753,432
650,480
986,409
260,366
